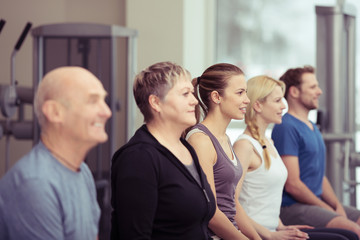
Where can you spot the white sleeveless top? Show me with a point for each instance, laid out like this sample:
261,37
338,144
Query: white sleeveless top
262,189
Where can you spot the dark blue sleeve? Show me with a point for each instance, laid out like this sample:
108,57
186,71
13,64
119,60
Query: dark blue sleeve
286,139
135,194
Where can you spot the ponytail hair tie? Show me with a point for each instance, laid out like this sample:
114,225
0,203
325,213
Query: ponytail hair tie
198,80
263,146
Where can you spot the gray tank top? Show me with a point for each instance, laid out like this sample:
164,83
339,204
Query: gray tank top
227,174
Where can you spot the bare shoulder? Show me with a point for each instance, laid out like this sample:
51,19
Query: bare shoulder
246,153
200,140
243,146
203,146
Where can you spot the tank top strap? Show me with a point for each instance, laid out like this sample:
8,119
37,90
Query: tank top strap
219,150
213,139
254,142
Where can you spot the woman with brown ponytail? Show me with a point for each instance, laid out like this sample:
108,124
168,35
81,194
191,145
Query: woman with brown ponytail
221,92
264,173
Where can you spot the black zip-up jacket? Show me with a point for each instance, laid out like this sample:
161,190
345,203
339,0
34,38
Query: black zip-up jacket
154,196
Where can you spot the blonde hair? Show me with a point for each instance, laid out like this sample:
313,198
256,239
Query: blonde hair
259,88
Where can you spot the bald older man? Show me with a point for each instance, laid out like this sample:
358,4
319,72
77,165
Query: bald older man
50,192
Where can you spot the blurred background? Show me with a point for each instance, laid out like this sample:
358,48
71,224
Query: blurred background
115,39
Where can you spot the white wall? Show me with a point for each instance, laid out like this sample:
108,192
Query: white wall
181,31
178,30
160,27
199,35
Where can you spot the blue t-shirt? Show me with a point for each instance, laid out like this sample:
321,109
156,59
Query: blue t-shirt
293,137
42,199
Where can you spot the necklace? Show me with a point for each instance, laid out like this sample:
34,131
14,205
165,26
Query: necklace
63,160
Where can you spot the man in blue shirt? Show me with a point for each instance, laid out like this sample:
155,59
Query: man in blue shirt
50,193
308,197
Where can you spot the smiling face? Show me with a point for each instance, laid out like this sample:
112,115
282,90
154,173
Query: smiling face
85,109
309,91
273,106
178,105
234,100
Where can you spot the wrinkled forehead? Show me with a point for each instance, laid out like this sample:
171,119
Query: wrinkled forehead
182,76
80,86
176,81
88,87
183,81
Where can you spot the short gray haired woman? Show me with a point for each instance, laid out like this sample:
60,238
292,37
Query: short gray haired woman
158,188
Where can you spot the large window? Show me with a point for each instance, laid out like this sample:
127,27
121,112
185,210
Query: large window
265,37
268,37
